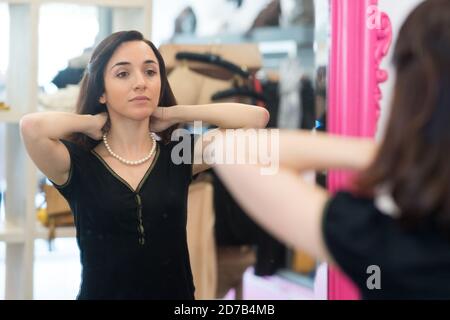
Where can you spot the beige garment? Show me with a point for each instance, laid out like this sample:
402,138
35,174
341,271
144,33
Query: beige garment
201,239
185,84
191,88
210,87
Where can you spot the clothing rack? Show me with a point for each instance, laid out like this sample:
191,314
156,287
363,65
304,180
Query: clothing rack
245,55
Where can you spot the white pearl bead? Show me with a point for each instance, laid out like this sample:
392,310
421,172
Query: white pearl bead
129,162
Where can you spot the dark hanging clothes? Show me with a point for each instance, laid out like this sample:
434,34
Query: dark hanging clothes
233,227
308,99
269,16
270,90
132,242
270,255
68,76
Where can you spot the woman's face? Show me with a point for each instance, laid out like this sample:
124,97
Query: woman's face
132,81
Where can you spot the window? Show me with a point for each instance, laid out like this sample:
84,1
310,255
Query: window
65,31
4,52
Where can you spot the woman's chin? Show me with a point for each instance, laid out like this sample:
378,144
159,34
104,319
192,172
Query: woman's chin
140,115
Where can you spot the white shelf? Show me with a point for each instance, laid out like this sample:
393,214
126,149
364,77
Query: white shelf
41,232
14,234
10,233
9,116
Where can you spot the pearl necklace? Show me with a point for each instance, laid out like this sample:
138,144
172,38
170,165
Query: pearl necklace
128,162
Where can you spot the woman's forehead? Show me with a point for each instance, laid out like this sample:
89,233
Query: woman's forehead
134,52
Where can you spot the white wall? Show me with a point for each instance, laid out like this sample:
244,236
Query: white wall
212,16
398,10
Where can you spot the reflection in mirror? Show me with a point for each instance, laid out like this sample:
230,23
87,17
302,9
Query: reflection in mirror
4,52
4,57
284,47
67,34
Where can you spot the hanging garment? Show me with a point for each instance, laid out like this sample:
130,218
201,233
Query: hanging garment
186,22
185,84
308,102
201,241
290,110
269,16
209,87
233,227
192,87
270,89
68,76
297,12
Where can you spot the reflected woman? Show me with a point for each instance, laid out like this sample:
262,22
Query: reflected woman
126,190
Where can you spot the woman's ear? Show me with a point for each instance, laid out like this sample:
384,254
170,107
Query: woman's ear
102,99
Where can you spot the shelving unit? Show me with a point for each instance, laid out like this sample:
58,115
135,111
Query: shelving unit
20,228
10,117
11,233
63,232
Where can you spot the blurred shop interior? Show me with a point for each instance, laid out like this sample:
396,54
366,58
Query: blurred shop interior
270,53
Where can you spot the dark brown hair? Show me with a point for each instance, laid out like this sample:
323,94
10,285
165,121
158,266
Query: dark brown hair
93,85
414,157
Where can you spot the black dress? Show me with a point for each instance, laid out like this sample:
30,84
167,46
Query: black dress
413,263
132,242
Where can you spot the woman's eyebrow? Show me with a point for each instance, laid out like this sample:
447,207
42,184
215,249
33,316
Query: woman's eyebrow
123,63
150,62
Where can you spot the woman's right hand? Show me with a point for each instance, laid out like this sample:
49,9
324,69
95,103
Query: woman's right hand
97,122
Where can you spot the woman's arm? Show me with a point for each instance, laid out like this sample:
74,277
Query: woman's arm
222,115
41,133
282,202
304,150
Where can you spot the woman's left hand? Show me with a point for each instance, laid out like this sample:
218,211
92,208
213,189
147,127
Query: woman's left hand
160,120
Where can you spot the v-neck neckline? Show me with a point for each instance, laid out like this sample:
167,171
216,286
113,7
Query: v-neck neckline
122,180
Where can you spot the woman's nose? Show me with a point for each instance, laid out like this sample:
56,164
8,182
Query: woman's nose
140,81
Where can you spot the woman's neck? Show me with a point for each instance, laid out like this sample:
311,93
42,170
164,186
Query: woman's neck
129,138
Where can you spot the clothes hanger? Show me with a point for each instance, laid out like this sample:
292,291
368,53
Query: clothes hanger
214,60
238,92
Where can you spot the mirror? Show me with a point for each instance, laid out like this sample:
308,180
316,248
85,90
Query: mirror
284,45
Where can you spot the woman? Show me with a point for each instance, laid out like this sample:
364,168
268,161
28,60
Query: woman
397,215
128,193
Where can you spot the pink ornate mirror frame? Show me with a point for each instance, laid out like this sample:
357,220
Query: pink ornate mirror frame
361,36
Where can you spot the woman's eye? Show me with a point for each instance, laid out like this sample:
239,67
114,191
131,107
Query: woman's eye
151,72
122,74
